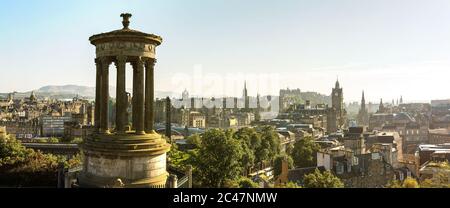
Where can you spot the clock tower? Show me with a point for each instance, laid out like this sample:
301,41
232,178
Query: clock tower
335,115
337,98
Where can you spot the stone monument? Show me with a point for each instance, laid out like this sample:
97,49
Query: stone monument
136,156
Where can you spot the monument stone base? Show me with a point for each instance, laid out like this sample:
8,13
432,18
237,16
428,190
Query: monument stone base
124,160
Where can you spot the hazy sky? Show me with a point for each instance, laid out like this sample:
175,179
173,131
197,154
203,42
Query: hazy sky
386,47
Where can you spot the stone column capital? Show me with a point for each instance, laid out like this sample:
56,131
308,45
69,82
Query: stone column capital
105,61
150,62
120,60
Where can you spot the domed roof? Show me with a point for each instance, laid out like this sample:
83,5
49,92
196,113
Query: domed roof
125,34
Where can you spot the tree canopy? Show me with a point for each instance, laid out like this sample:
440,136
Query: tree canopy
218,158
304,152
277,164
324,179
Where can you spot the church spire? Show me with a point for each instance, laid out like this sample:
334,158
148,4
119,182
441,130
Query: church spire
363,101
337,83
381,108
245,89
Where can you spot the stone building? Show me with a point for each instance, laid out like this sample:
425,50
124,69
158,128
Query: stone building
439,136
287,98
196,120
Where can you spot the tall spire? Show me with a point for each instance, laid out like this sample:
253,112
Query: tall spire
245,89
337,83
381,108
363,101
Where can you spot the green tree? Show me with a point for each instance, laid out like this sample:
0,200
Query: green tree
218,159
278,163
194,140
289,149
304,152
249,140
11,151
271,141
322,180
20,166
245,182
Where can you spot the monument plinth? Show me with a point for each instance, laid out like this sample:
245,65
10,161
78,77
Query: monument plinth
136,157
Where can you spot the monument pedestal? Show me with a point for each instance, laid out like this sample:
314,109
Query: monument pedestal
124,160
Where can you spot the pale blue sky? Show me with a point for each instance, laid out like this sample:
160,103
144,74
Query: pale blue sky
386,47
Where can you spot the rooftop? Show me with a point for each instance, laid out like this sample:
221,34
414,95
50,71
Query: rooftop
443,131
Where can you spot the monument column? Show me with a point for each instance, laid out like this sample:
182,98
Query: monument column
104,96
138,96
98,90
149,94
133,98
121,94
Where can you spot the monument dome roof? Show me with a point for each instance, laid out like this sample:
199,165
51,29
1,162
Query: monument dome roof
125,34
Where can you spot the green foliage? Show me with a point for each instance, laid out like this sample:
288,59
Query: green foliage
75,161
194,140
304,152
259,146
222,156
410,183
407,183
289,149
289,184
177,158
47,140
53,140
270,142
292,185
322,180
394,184
20,166
242,182
247,183
277,164
218,158
11,151
440,178
76,140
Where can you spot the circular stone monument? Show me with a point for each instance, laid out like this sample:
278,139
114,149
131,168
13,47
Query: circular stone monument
134,155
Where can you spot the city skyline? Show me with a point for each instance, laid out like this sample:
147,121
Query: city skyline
396,50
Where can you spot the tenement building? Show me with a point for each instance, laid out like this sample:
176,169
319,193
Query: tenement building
131,156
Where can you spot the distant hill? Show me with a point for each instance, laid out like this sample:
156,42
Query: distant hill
67,89
71,91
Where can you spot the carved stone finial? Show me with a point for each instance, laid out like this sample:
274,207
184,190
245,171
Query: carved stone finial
126,20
